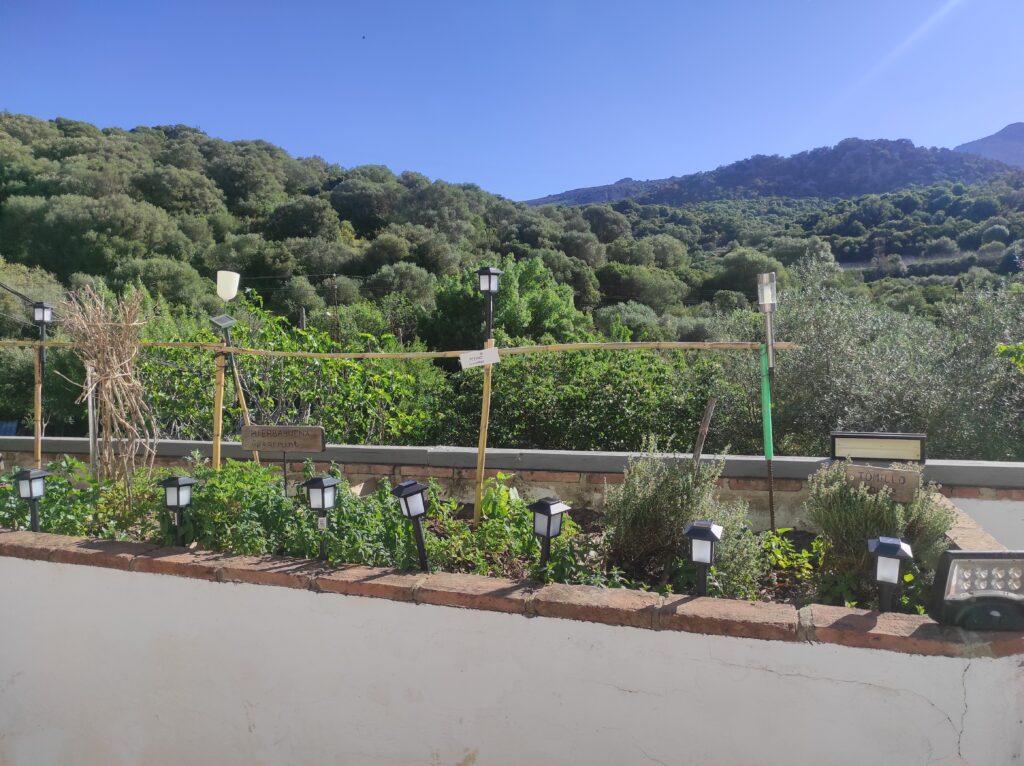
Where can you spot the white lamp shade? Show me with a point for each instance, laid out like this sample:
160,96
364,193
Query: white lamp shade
178,497
701,551
227,284
25,489
42,314
540,524
316,498
488,283
31,489
888,570
412,506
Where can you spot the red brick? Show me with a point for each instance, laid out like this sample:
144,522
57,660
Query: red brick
729,617
611,606
1010,494
112,554
200,565
368,581
605,478
563,477
269,570
374,469
37,546
967,492
489,473
474,592
756,485
895,632
788,485
423,470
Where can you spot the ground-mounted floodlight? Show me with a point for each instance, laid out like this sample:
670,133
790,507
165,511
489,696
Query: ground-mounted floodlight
177,497
703,537
980,590
412,497
488,276
227,285
32,486
547,523
322,492
889,553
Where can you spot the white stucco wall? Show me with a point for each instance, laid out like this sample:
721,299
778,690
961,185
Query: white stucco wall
112,668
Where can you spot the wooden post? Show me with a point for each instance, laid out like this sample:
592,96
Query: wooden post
218,408
246,419
481,450
38,407
702,435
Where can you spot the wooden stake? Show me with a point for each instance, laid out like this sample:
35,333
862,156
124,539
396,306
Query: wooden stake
702,435
218,409
481,450
38,408
246,419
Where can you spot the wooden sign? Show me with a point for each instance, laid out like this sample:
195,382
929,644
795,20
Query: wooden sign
283,438
903,483
479,358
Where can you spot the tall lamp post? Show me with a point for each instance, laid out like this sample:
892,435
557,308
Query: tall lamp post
322,492
488,277
42,315
766,301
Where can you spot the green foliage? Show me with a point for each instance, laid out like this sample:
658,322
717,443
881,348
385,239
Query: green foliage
849,516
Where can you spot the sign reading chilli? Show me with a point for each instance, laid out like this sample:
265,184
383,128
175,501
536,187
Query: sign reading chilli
284,438
903,483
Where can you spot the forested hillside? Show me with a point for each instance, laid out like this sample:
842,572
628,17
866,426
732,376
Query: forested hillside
923,280
850,168
1005,146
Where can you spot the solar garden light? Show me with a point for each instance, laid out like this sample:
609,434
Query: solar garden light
489,287
177,497
980,590
412,497
766,301
547,523
889,553
322,492
703,536
32,486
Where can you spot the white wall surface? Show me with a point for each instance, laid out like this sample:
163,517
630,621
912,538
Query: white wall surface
1003,519
106,667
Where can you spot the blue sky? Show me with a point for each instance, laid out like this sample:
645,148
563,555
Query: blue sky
525,98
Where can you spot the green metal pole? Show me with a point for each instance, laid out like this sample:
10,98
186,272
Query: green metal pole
766,421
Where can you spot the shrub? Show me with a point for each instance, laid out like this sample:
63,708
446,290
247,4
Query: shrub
740,560
849,516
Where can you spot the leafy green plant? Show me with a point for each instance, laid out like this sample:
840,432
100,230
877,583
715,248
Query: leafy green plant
740,563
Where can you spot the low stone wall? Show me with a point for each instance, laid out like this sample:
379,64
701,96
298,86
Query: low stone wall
123,653
579,478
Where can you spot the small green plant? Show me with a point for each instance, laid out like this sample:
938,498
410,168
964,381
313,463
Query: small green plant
740,563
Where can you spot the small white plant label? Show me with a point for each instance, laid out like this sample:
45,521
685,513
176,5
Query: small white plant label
479,358
321,523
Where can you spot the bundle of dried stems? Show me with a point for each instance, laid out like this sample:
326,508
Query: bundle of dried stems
107,339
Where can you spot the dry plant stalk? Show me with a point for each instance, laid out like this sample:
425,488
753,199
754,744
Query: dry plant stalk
107,339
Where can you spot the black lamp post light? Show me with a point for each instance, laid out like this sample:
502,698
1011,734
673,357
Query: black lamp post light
42,317
703,537
322,492
32,486
177,497
489,287
889,553
412,497
547,523
980,590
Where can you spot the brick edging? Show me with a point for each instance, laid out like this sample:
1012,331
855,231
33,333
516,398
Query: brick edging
911,634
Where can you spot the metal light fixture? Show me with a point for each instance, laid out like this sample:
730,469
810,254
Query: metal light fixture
488,276
412,497
227,285
322,492
224,323
980,590
703,537
32,486
177,497
766,301
547,523
42,313
889,553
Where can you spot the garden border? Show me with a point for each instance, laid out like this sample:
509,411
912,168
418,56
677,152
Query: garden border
908,634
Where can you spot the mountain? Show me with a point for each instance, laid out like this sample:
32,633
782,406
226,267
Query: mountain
850,168
1005,146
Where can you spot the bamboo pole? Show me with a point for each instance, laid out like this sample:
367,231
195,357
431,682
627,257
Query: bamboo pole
37,410
246,418
218,409
481,450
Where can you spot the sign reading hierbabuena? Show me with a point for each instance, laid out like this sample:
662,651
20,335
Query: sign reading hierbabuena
902,481
284,438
